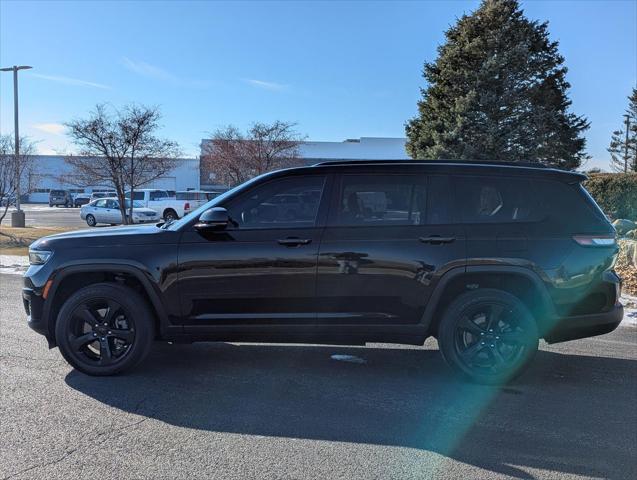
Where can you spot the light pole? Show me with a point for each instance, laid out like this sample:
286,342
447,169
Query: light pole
17,217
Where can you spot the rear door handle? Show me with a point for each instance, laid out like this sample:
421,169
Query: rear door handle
437,239
294,242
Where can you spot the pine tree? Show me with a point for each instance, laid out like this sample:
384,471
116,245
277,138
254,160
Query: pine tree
623,149
497,91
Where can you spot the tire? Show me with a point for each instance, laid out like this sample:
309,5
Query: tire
104,329
170,214
488,336
90,220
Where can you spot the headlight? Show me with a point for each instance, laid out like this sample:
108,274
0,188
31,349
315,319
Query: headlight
39,257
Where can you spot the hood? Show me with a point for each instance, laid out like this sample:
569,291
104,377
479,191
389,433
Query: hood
107,236
144,210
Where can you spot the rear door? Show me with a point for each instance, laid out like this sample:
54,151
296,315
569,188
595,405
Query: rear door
387,242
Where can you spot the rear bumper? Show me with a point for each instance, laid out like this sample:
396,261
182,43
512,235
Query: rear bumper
582,326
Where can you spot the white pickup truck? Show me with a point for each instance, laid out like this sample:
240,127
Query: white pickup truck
169,208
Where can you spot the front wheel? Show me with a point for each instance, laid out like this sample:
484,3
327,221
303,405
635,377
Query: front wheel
90,220
104,329
488,336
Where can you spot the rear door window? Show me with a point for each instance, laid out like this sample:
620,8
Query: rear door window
376,199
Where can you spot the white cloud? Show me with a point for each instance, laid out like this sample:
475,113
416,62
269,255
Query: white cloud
152,71
265,85
71,81
53,128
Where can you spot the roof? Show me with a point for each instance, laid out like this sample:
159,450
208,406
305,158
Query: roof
449,166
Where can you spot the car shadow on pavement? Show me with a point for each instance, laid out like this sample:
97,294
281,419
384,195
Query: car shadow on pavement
560,416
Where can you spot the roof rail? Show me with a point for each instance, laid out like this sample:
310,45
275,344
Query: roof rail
433,162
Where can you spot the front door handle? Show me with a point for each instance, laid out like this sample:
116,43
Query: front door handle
437,239
294,242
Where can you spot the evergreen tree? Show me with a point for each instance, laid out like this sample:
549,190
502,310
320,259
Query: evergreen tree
622,149
497,91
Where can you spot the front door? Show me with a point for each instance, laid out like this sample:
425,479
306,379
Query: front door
262,268
388,240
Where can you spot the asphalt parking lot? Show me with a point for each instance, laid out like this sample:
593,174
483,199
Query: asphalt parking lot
272,411
41,215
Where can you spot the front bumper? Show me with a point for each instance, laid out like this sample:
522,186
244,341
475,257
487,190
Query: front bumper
582,326
34,307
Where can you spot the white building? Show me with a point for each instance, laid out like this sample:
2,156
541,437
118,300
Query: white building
51,172
364,148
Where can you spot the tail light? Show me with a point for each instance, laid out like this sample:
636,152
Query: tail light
595,240
187,206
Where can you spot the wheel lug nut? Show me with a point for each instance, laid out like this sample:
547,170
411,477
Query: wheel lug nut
94,334
481,343
110,333
492,346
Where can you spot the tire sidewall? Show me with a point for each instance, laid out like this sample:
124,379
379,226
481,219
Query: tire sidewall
132,303
447,332
91,223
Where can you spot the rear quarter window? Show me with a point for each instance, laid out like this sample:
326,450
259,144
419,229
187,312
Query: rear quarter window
566,207
497,200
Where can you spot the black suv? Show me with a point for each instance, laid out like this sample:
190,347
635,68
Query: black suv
488,258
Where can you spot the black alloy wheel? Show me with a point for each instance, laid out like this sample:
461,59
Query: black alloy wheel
101,332
488,335
104,329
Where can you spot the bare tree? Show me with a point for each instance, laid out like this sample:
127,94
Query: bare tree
12,166
118,148
234,157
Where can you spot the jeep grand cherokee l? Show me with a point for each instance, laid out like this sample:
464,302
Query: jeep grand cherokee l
487,258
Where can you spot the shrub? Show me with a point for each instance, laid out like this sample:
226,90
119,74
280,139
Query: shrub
616,193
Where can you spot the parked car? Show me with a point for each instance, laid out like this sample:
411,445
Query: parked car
168,208
60,197
106,210
196,198
487,258
81,199
96,195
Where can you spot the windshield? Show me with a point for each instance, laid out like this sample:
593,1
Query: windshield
217,201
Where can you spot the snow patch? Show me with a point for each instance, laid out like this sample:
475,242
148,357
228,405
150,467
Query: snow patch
630,310
14,264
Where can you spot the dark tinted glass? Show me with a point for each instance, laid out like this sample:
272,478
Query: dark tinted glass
156,195
277,204
380,200
498,200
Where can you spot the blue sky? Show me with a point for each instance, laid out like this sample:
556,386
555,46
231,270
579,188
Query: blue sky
340,70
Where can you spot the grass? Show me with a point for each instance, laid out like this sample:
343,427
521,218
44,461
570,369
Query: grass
16,241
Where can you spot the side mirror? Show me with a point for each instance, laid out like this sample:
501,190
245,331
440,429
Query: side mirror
214,218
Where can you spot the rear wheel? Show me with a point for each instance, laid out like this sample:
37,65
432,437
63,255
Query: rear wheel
170,215
90,220
488,336
104,329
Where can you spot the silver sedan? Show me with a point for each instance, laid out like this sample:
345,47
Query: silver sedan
106,210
